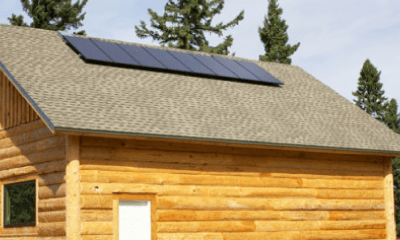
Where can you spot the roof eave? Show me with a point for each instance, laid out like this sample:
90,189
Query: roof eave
222,142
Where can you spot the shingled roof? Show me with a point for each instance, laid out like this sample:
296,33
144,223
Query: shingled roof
70,94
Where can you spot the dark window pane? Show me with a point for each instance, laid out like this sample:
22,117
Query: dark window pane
19,204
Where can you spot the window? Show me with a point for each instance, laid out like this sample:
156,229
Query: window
20,204
134,216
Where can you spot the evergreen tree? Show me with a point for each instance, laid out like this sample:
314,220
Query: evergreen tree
52,15
392,119
369,92
274,37
184,23
396,182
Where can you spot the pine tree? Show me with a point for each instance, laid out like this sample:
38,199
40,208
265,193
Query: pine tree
396,182
274,37
392,119
369,92
52,15
184,23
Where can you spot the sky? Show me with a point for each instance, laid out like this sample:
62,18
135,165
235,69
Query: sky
336,37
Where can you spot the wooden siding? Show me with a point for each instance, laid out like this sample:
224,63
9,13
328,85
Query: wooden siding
229,193
30,151
14,109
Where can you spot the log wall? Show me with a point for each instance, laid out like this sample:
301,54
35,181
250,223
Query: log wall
30,151
211,192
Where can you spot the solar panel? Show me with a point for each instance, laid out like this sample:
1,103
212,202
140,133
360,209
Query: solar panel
117,54
215,66
259,72
237,69
88,49
158,59
167,59
142,56
192,63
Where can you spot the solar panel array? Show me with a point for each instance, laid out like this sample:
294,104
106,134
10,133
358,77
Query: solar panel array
158,59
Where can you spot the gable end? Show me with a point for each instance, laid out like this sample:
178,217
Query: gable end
14,109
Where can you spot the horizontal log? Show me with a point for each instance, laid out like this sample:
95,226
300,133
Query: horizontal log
51,167
278,226
212,203
95,215
53,216
198,236
17,172
187,179
96,201
19,231
266,226
52,204
25,137
303,235
97,237
52,229
51,238
20,178
103,153
43,168
350,194
57,152
38,146
97,228
169,145
201,215
193,190
196,169
52,191
52,178
208,203
206,226
21,129
34,237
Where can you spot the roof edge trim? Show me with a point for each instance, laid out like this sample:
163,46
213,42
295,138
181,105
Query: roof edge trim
22,91
104,133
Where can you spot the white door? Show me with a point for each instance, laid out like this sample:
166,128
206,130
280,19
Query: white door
134,220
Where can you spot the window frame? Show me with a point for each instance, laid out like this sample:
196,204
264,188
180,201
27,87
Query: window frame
135,196
19,225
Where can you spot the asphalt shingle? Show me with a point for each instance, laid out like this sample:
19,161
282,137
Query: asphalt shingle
77,95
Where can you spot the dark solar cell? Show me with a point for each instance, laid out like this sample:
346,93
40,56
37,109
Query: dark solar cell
259,72
88,49
142,56
192,63
117,54
167,59
236,68
215,66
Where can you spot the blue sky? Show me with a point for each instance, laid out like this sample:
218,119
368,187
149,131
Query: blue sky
336,36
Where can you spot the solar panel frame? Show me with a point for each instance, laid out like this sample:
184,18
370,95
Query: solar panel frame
259,72
142,56
219,69
237,69
88,49
191,63
167,59
115,53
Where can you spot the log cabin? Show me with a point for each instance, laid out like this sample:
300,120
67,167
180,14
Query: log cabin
103,150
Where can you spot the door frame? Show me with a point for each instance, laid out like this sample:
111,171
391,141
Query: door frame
135,196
